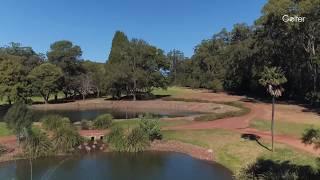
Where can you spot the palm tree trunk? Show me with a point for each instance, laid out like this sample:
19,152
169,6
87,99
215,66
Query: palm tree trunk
31,174
272,122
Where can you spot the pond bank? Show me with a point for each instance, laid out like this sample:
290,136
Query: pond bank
197,152
146,106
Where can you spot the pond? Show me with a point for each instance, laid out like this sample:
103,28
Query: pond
117,166
90,114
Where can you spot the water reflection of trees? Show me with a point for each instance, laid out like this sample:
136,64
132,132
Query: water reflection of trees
41,167
136,165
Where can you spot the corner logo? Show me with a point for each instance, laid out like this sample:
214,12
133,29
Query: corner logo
286,18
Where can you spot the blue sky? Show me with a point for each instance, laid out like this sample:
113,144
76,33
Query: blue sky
167,24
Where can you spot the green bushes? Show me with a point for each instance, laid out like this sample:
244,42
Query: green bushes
135,140
269,169
65,136
313,98
85,124
37,144
117,139
151,127
53,122
103,121
216,85
19,119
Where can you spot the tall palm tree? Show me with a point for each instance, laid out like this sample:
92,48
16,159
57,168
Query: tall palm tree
272,78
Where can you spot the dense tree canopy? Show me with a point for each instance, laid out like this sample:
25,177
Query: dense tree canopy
15,63
236,58
229,60
136,69
67,56
45,79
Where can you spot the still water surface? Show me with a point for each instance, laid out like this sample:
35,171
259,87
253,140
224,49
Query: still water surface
90,114
116,166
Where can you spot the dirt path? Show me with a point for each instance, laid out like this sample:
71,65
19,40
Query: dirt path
241,125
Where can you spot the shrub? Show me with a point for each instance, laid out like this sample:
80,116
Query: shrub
103,121
37,144
85,124
269,169
19,118
313,98
66,138
116,139
151,127
137,140
216,85
3,149
54,122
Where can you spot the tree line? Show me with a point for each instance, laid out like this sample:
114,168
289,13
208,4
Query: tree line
24,73
233,60
230,60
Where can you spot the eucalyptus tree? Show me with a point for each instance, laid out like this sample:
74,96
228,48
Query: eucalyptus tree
272,79
12,77
175,58
45,79
96,72
67,56
86,85
15,64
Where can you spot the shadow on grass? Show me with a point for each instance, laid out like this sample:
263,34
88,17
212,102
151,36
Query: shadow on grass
253,137
269,169
139,97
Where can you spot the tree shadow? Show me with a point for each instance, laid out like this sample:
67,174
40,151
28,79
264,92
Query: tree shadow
310,108
139,97
269,169
253,137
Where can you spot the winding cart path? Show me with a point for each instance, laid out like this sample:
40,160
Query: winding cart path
241,124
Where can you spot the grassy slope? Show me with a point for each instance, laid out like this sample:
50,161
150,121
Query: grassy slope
131,123
282,127
170,91
229,149
173,91
233,152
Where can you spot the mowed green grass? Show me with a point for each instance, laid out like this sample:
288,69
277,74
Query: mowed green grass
228,147
234,152
282,127
132,123
35,98
170,91
4,130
